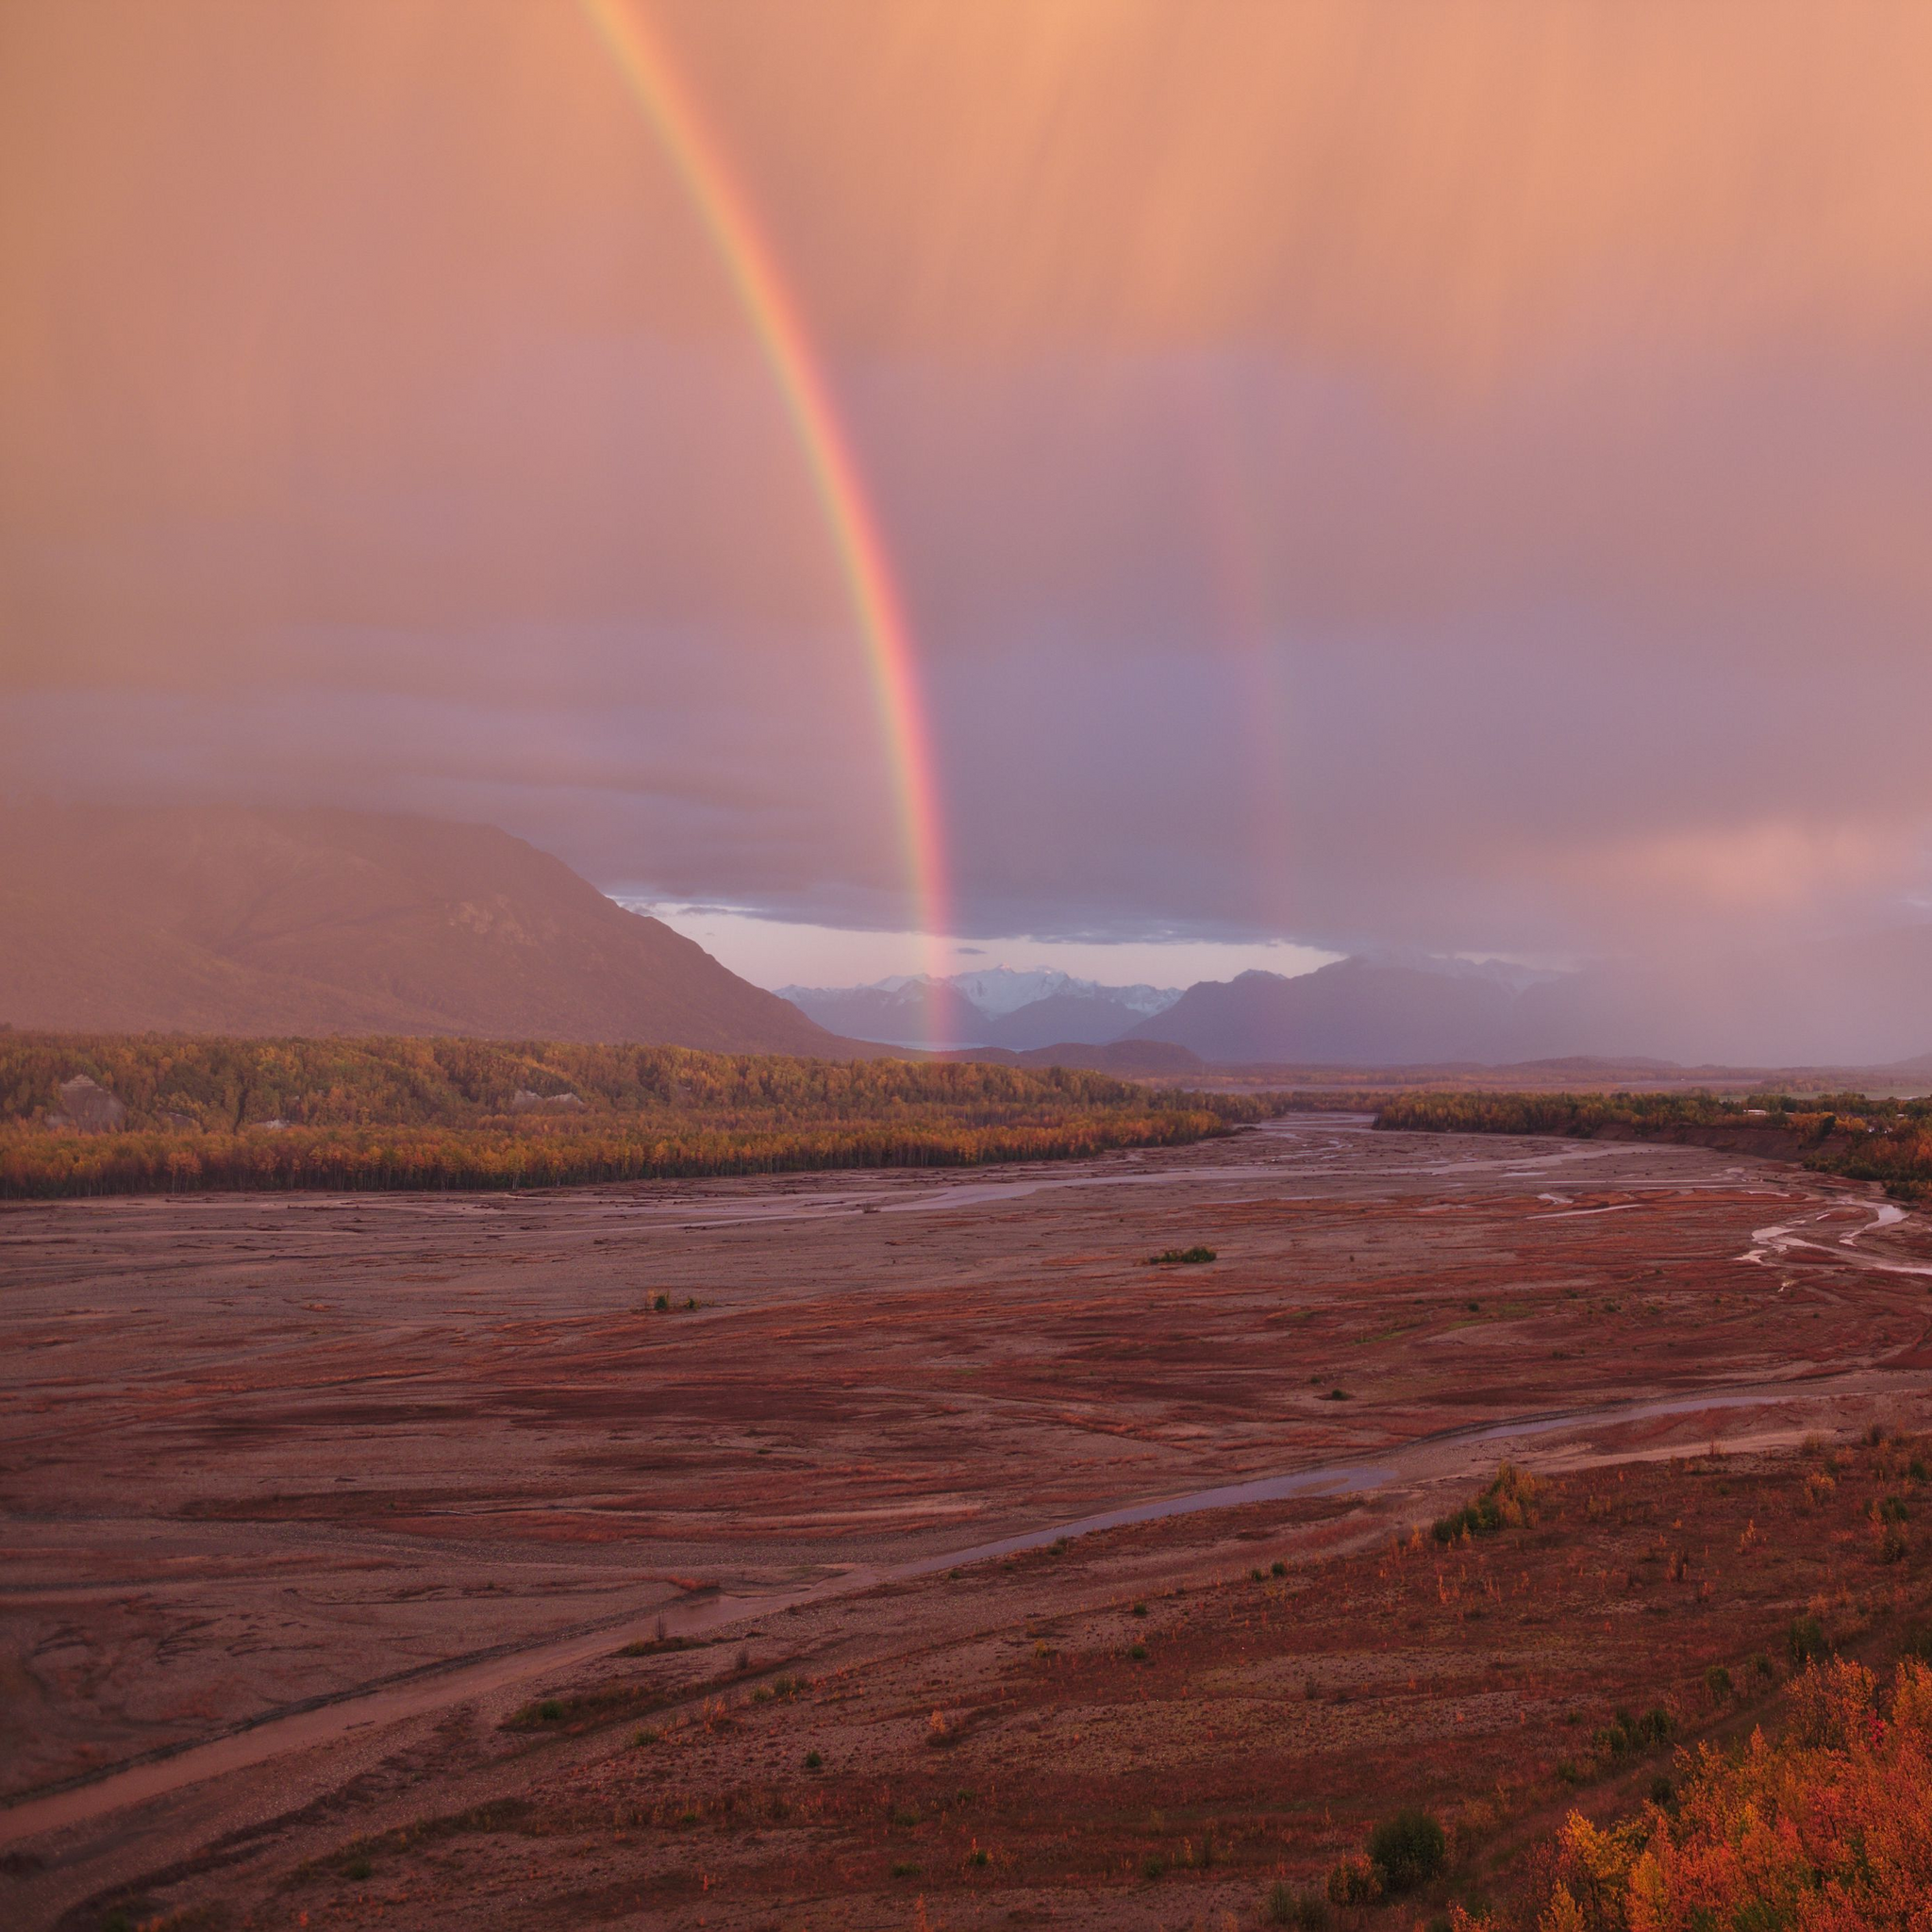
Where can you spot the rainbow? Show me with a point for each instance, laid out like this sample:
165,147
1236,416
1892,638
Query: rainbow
652,80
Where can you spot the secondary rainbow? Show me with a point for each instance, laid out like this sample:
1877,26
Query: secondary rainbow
652,80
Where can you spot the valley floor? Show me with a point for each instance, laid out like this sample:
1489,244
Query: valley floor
404,1559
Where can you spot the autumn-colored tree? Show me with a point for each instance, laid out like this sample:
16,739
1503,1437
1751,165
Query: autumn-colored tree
1827,1829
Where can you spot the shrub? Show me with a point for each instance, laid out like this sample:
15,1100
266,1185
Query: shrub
550,1711
1806,1641
1140,1610
814,1761
979,1856
1625,1733
1508,1503
1278,1567
358,1867
1354,1882
1154,1866
1181,1258
1408,1849
1825,1828
1338,1395
1717,1680
907,1868
1139,1653
1285,1905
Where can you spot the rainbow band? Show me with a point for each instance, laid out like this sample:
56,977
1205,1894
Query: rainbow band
652,80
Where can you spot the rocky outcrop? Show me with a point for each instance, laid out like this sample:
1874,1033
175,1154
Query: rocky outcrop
87,1107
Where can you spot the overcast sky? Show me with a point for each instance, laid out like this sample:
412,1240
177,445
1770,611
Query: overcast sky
1357,475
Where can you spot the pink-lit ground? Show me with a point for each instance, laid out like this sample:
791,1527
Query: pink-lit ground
264,1452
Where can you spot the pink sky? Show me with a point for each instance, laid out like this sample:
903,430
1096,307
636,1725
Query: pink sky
1451,477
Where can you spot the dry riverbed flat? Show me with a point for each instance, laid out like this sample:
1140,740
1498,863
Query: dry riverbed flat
329,1522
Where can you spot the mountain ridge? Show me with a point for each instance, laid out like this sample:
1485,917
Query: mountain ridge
993,1006
216,919
1847,1003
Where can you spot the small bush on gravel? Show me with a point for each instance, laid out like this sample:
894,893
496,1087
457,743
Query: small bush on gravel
1508,1503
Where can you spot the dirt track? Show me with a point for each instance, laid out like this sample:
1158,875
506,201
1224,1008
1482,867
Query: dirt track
258,1452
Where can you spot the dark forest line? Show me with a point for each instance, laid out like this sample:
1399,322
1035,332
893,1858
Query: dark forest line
1852,1135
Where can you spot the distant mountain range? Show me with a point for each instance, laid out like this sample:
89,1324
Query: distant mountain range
1848,1004
993,1007
224,919
229,919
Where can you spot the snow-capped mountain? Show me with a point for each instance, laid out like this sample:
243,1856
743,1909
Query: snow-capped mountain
996,1005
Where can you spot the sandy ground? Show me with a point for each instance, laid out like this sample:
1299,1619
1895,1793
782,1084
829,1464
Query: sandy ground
306,1497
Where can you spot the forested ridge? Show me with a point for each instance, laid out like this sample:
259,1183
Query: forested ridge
383,1113
1849,1134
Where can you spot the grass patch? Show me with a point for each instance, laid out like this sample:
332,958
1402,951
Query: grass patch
356,1860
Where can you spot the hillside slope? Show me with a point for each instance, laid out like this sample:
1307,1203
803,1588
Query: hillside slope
226,920
1846,1002
1351,1012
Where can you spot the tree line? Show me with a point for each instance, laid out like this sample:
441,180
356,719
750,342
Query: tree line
390,1113
1855,1135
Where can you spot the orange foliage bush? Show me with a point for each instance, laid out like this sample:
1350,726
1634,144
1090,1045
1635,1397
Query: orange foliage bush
1826,1830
